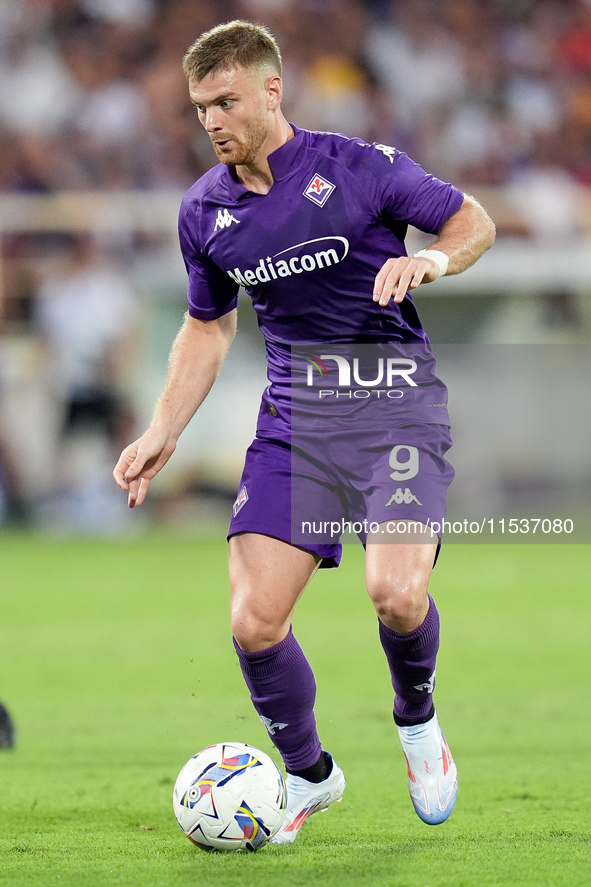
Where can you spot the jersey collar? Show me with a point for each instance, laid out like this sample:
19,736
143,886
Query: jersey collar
283,162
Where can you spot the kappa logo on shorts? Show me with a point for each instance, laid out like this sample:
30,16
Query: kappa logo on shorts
241,500
319,190
403,497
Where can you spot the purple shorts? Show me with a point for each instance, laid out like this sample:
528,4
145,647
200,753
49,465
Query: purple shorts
344,482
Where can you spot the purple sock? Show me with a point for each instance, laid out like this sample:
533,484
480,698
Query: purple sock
411,658
283,691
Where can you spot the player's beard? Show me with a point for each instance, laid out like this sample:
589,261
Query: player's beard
243,150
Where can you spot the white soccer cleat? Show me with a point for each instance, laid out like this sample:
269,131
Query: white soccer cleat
305,798
432,774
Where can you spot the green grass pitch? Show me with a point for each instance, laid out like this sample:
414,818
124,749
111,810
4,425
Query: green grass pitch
116,663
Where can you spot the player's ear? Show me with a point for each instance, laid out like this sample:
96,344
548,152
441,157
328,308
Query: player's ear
274,90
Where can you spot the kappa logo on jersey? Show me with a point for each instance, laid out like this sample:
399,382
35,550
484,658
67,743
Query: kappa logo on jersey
403,497
319,190
241,501
389,152
225,219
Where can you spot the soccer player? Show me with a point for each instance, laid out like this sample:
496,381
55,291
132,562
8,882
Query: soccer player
313,225
7,729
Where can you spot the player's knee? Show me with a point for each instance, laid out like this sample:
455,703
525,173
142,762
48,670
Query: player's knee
399,604
253,632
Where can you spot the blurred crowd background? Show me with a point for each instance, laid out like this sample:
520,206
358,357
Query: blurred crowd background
98,141
480,91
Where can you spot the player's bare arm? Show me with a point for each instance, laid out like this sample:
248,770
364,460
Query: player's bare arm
195,360
463,239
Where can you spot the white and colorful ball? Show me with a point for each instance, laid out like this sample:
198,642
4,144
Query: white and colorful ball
230,796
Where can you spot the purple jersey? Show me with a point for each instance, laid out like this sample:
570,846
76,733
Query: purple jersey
308,251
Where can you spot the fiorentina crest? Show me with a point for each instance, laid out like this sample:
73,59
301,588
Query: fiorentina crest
241,500
319,190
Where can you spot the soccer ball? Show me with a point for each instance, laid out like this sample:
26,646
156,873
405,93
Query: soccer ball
230,796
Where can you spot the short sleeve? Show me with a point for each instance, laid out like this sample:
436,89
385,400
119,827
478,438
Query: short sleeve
410,194
211,293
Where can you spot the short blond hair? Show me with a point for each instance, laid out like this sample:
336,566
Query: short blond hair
226,46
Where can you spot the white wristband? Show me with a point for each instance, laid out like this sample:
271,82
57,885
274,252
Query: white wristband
439,257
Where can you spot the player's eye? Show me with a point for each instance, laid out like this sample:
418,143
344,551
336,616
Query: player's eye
226,104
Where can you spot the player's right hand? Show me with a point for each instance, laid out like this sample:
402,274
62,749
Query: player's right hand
141,461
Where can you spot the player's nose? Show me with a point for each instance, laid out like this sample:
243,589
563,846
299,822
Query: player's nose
212,120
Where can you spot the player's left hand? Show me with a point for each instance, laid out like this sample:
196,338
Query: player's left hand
397,276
